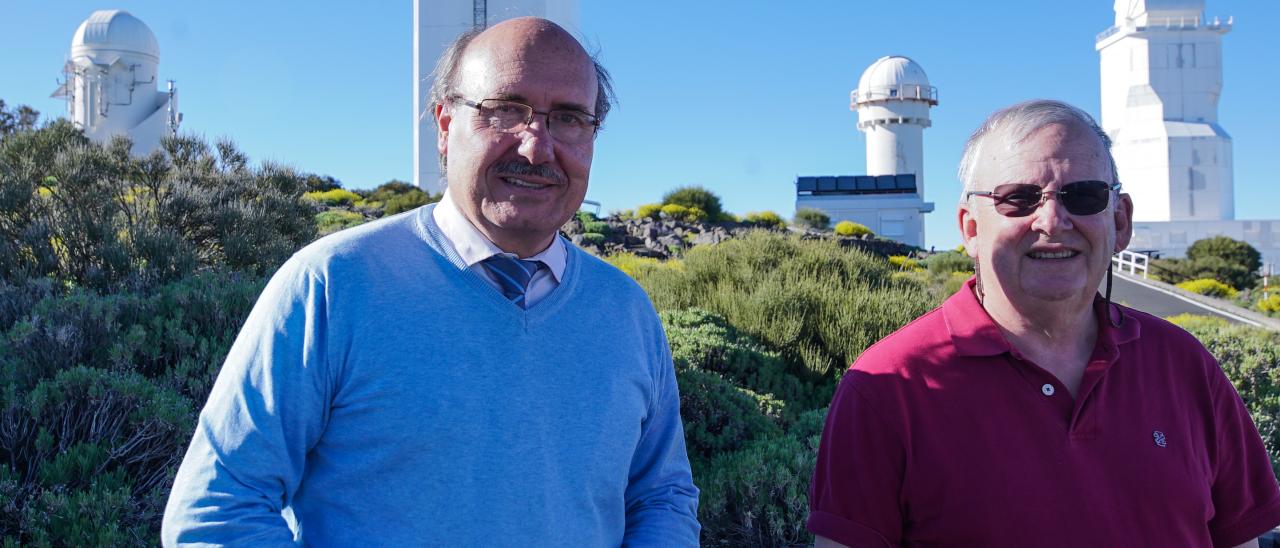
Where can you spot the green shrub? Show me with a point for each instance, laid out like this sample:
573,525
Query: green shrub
852,229
96,464
396,197
943,264
623,214
1231,251
634,265
705,341
334,197
904,263
599,227
758,496
333,220
720,417
593,239
1269,305
674,211
816,219
765,219
816,303
1250,357
95,216
649,211
1211,288
692,197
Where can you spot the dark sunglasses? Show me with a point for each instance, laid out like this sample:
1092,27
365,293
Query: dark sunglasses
1020,200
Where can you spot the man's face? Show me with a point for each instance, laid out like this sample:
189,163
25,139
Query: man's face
518,188
1051,255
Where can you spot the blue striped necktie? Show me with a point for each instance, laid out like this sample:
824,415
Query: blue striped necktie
513,276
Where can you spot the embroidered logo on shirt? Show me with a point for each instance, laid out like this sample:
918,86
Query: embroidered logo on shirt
1159,438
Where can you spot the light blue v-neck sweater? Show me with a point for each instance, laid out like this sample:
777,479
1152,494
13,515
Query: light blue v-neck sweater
384,395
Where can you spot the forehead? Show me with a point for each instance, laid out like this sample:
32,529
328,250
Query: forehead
1056,152
545,72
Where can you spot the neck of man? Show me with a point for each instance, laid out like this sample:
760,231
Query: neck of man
523,244
1058,336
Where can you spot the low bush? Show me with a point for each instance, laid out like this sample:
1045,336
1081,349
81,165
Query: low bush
1250,357
904,263
807,217
946,262
764,219
720,417
649,211
852,229
333,197
758,496
1209,287
816,303
696,197
333,220
598,227
705,341
594,239
1270,304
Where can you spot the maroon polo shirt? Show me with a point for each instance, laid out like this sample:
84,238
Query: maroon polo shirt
943,435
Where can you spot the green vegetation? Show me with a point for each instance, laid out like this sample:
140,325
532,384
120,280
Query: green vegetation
696,197
1210,287
816,219
123,282
852,229
764,219
1229,261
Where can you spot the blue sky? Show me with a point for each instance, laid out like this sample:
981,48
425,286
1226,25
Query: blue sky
740,97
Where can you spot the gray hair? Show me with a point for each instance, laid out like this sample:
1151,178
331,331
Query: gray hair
444,78
1017,122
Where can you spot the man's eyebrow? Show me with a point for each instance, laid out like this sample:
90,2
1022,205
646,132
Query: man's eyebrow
516,97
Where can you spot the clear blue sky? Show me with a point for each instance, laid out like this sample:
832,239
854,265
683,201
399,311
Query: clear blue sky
740,97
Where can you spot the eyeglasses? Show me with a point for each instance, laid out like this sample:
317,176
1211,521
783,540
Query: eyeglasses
1020,200
568,126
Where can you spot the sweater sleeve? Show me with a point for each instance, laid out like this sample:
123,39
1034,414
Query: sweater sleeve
662,502
266,410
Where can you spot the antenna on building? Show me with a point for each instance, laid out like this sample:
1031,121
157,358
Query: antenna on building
174,117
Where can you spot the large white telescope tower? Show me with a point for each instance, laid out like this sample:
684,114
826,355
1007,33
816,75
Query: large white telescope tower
1161,80
110,82
893,100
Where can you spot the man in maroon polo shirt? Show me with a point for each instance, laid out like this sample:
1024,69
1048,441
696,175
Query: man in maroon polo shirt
1027,410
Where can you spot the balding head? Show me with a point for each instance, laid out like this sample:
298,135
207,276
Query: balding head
523,35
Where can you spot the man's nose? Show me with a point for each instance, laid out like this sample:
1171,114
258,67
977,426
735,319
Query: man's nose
1051,216
536,143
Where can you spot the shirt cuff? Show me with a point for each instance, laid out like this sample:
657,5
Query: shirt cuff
1251,526
848,533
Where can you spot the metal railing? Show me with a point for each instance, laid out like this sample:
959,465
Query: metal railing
1132,262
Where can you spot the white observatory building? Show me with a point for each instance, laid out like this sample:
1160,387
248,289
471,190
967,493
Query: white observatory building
1161,78
110,82
892,101
436,23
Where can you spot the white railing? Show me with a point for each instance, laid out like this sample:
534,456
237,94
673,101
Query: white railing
1131,262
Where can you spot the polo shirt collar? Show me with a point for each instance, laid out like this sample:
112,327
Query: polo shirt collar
974,333
473,247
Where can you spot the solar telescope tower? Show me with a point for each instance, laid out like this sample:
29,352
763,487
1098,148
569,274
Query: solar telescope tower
436,23
892,101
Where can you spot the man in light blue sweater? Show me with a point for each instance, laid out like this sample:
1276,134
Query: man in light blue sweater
456,375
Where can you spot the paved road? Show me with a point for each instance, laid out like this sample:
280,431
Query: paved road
1153,301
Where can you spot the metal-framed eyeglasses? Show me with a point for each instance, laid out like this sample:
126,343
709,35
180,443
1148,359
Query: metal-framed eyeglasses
568,126
1020,199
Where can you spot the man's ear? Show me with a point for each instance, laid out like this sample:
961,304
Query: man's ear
443,118
1124,222
968,230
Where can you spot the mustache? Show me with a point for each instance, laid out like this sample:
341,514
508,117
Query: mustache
516,167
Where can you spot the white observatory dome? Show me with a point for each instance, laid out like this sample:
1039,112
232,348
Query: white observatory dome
109,34
893,76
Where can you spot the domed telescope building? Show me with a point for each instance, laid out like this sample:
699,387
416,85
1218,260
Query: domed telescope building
110,82
892,101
